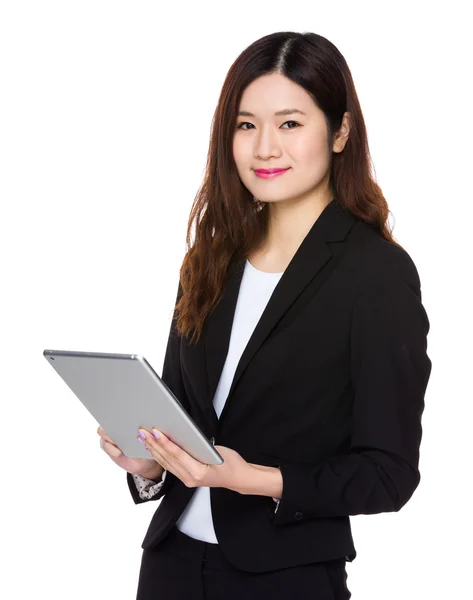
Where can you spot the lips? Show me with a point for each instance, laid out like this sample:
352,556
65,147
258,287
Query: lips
270,173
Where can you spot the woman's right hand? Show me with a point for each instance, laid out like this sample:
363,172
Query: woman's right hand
146,467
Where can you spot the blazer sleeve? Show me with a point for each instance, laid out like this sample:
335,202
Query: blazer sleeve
172,377
390,370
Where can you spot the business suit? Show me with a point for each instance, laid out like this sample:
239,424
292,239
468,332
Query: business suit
330,388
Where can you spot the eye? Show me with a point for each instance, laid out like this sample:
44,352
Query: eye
297,124
246,123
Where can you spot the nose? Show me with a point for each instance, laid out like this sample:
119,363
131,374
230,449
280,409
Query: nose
267,143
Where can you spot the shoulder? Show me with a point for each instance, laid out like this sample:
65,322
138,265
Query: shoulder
386,285
375,259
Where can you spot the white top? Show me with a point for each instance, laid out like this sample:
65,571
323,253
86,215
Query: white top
255,291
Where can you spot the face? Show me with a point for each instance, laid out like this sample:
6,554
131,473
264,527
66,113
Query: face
294,141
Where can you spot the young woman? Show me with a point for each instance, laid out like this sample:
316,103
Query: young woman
298,345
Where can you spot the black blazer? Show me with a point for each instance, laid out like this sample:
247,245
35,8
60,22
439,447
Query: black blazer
330,388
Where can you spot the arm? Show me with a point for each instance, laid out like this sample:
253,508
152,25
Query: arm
148,488
390,370
264,481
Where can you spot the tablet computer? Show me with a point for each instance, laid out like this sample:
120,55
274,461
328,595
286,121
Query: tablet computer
123,393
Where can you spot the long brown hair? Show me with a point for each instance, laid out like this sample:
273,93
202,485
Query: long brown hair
228,222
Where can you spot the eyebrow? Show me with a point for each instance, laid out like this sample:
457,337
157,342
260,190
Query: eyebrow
279,113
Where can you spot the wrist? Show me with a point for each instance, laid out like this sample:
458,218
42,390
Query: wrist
263,481
155,472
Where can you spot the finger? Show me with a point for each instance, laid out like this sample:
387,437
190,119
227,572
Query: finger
105,436
168,447
182,464
161,460
111,449
165,459
155,453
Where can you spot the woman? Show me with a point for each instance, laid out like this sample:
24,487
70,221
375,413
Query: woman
298,345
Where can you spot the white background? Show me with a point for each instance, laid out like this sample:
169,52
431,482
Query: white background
105,110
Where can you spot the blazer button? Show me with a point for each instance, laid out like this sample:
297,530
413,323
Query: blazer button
298,516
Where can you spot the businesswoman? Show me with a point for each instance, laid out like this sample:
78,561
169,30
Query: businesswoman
298,345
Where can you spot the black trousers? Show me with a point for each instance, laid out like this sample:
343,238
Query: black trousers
184,568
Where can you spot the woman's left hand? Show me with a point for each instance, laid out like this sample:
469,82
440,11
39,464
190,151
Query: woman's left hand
233,474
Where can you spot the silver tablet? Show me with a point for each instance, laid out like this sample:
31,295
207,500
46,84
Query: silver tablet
123,393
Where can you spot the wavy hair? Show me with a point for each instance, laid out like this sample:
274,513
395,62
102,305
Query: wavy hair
228,222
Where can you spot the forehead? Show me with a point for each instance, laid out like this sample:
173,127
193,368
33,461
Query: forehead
273,93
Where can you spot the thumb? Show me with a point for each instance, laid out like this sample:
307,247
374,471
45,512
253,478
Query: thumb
111,449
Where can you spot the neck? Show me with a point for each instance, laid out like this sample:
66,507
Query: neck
289,223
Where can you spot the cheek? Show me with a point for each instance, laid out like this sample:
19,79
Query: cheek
309,151
239,152
242,162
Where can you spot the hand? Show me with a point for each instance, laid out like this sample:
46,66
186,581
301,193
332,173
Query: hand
232,474
140,466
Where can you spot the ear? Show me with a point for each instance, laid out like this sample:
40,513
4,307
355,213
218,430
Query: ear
341,137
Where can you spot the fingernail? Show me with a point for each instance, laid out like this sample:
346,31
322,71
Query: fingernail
148,451
156,435
140,440
142,435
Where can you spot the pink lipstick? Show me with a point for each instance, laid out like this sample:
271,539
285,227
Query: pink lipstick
267,173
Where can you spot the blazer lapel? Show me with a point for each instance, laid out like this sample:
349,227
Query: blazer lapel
332,225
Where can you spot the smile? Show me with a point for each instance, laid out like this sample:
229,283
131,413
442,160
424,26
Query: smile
264,174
